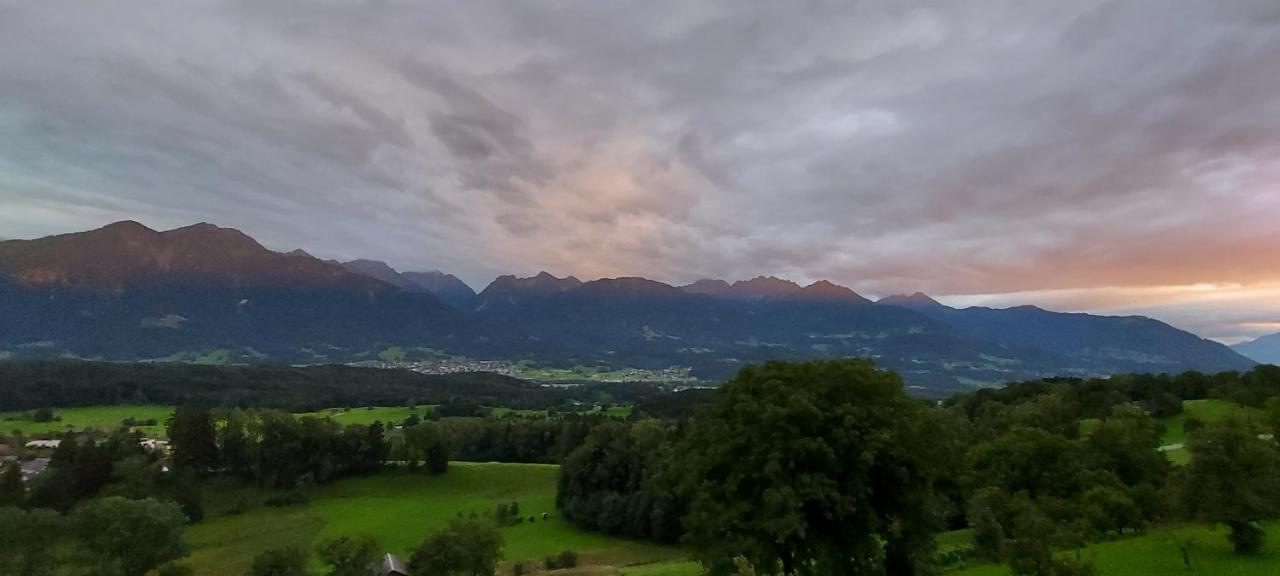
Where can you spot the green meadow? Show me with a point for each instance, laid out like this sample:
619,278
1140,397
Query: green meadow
102,418
387,415
1156,554
1208,412
1174,427
397,509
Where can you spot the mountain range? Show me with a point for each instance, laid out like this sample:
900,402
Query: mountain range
1265,349
126,292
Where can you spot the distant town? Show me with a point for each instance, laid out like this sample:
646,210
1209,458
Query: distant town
678,375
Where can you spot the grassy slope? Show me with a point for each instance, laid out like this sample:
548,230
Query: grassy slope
399,509
387,415
100,417
1155,554
1207,411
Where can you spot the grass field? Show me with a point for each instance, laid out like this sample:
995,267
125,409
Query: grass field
398,509
1208,412
1156,554
104,418
387,415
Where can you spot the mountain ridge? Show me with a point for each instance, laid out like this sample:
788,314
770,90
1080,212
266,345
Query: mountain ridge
1264,349
128,292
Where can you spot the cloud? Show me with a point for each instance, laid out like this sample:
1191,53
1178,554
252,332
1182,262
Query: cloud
892,146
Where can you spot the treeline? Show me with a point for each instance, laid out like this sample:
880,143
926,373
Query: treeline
275,449
828,467
1161,395
28,385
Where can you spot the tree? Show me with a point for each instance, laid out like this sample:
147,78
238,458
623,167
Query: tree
1233,478
467,547
284,561
348,556
425,441
1031,553
77,471
189,494
814,468
129,537
42,415
27,539
12,490
193,439
1272,411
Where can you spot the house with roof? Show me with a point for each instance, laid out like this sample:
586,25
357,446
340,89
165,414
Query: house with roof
50,444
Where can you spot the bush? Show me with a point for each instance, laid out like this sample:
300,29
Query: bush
286,561
566,559
1247,537
518,569
42,415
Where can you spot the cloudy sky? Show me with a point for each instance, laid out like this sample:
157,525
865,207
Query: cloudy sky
1105,156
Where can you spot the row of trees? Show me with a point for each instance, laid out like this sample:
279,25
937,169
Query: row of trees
466,547
828,467
274,449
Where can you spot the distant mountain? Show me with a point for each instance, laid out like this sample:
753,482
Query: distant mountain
917,301
824,291
709,287
447,287
377,270
126,292
1089,343
1265,349
128,254
758,288
507,291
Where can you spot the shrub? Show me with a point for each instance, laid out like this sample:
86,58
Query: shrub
566,559
287,561
42,415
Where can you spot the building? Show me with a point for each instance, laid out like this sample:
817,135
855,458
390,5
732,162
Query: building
155,445
44,444
33,468
392,566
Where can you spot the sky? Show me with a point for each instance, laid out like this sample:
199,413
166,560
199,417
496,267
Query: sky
1115,157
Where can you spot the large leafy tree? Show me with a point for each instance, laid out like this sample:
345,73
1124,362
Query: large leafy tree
1233,478
466,547
815,468
12,490
129,537
193,438
29,541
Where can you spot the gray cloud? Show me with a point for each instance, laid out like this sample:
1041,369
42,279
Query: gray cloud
951,147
